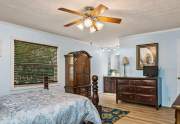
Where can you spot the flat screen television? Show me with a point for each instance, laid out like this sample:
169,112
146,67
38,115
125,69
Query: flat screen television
150,71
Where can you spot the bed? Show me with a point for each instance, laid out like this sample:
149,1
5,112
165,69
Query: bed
47,107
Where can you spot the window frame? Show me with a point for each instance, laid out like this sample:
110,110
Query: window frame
38,85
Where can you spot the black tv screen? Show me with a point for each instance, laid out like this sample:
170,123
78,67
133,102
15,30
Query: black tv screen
150,71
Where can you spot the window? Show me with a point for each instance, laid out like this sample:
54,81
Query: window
34,61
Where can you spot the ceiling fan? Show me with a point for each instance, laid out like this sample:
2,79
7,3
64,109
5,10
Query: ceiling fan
91,18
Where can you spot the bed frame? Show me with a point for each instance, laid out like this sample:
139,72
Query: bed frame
94,98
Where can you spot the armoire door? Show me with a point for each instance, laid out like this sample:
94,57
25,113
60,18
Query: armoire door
82,68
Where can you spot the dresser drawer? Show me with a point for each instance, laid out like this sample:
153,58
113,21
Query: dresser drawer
146,83
133,82
126,88
139,90
147,99
109,84
127,96
132,89
147,90
123,88
122,82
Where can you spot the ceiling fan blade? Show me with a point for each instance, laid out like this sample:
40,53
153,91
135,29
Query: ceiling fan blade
109,19
99,10
72,23
71,11
94,25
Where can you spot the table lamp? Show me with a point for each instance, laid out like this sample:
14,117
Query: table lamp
125,62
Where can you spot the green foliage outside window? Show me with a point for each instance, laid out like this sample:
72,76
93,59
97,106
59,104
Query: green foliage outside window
33,62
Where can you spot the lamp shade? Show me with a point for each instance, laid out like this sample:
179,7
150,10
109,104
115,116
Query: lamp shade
125,60
80,26
92,29
99,25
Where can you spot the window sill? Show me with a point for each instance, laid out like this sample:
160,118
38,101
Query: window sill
32,86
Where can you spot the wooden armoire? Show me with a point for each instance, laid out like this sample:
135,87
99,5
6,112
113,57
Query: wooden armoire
77,73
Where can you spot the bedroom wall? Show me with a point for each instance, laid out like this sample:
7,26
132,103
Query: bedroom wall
167,58
9,32
167,55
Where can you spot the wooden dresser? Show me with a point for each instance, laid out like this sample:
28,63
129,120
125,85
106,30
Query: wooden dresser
77,72
145,91
176,106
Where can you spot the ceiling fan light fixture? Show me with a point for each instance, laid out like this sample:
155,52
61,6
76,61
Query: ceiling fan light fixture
99,25
80,26
92,29
91,18
88,22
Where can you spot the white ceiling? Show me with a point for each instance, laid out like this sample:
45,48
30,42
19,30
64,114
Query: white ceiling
139,16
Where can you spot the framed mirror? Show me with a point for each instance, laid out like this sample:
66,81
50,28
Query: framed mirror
146,55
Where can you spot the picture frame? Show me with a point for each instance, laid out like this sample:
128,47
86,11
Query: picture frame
146,55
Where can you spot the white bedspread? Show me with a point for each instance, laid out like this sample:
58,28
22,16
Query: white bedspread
46,107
